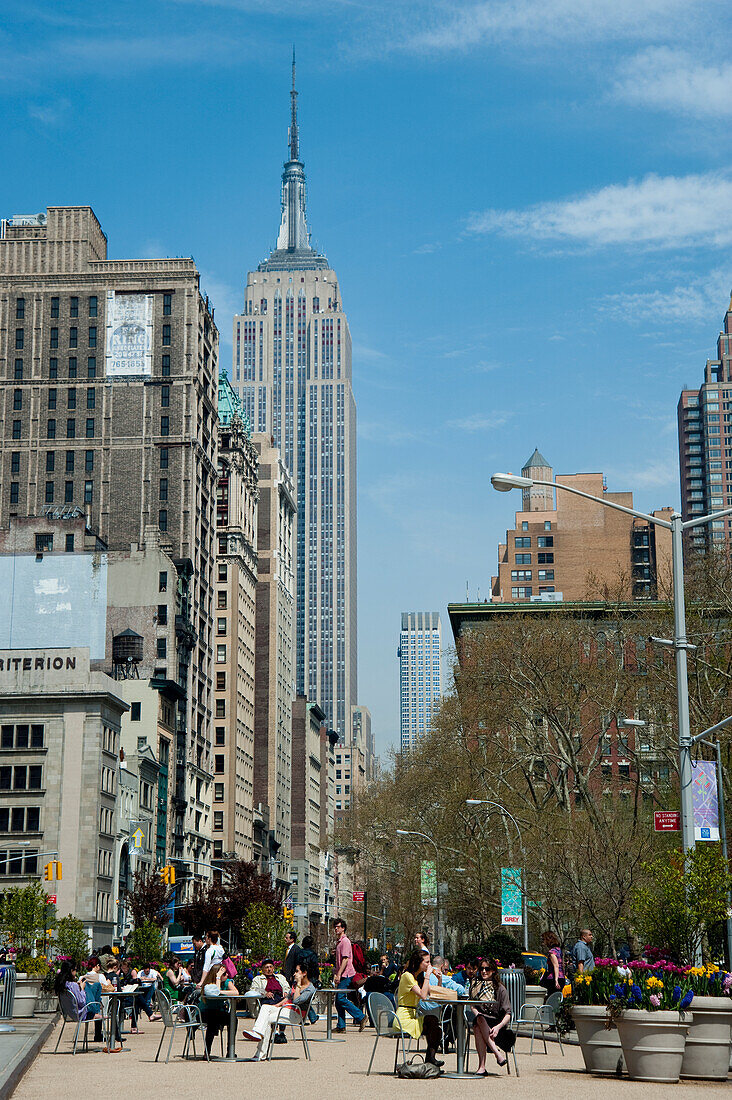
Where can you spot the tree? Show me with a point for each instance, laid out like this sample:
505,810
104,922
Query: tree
222,904
685,896
149,898
25,914
72,941
145,943
263,932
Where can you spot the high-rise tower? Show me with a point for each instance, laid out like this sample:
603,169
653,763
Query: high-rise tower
292,371
420,641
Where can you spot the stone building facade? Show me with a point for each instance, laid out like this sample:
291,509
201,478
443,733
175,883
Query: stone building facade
108,402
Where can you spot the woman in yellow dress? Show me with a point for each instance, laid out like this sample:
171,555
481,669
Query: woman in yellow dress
414,986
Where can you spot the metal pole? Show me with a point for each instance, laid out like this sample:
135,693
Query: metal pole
365,929
723,838
682,683
524,905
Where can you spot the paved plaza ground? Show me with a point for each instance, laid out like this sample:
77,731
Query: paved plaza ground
336,1069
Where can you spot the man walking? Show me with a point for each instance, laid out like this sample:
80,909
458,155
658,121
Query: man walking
292,955
584,959
344,972
199,954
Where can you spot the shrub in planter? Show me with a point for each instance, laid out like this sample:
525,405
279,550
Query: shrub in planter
32,967
649,1006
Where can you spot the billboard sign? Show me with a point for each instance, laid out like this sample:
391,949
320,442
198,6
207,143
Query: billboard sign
129,335
706,800
428,880
511,898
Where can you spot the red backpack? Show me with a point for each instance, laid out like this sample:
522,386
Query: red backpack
359,962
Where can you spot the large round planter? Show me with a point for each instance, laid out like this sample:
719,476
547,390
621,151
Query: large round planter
600,1047
708,1041
653,1043
535,995
26,994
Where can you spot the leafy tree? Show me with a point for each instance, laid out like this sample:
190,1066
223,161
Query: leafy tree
25,914
71,940
148,899
685,897
145,943
223,904
263,932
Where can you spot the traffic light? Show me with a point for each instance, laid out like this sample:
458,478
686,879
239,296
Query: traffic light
167,874
48,872
49,869
288,913
58,869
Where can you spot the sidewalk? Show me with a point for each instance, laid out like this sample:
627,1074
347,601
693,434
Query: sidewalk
19,1049
337,1068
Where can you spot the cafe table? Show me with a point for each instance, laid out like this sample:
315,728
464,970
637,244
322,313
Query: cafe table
330,996
115,998
461,1035
233,999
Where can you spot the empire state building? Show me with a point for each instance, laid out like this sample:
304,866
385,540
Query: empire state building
292,371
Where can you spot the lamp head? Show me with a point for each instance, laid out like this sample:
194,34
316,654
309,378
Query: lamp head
473,801
402,832
505,482
632,723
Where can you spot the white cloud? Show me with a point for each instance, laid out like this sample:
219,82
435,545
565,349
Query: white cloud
655,212
542,22
658,474
226,300
376,431
426,249
672,80
700,299
478,422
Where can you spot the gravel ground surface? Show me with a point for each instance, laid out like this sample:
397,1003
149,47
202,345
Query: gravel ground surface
335,1069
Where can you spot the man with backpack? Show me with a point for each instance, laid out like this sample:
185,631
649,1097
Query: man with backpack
345,972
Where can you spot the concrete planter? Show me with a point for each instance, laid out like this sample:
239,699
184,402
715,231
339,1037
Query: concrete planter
653,1043
26,994
535,995
600,1047
708,1041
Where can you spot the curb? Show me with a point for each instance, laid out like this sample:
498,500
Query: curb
13,1079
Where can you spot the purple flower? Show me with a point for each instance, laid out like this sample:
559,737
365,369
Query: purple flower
636,992
655,1000
686,1000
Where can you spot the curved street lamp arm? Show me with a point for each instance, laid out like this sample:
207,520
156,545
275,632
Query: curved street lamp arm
607,503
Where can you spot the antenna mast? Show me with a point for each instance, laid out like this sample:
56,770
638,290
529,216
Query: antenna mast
294,143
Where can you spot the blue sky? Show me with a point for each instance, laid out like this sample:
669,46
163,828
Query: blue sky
527,204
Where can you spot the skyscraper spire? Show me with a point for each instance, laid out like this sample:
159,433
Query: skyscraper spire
294,142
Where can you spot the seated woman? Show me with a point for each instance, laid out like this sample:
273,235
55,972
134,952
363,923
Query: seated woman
174,980
289,1011
93,983
414,986
492,1014
67,982
214,1009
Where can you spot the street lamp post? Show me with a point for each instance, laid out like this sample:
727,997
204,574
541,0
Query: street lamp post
439,937
676,525
524,907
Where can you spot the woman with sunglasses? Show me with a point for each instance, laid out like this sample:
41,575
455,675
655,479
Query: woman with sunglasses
492,1014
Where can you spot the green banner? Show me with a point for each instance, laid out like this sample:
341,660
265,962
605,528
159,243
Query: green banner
429,882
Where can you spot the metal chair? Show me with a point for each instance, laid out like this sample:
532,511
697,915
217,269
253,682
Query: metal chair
70,1015
512,1052
290,1019
541,1016
387,1026
187,1018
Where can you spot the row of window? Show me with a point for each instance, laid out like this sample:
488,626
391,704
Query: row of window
91,302
20,819
50,493
53,337
51,425
524,541
21,777
525,574
21,737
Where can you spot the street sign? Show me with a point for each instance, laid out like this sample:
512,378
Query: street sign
138,838
667,821
358,895
511,897
52,899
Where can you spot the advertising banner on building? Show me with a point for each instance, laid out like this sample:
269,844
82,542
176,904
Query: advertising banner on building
129,334
511,910
429,882
706,800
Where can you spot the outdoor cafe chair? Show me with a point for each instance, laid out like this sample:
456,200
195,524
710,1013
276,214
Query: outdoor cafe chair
70,1015
387,1026
512,1051
541,1016
187,1018
294,1023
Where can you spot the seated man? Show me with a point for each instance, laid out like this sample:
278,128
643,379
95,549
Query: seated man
149,980
271,988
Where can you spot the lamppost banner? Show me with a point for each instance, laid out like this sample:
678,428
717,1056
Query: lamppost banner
429,882
706,800
511,897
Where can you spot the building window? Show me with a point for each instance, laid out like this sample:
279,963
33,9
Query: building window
220,654
68,492
221,597
167,304
163,581
89,461
20,309
18,370
49,492
93,305
165,396
521,593
162,614
52,398
14,492
91,398
547,525
19,339
163,488
71,428
54,307
91,366
166,336
166,365
15,462
92,336
73,307
219,763
221,730
17,400
221,626
545,559
546,540
218,792
88,491
162,649
522,542
135,712
53,339
69,462
73,337
218,819
90,427
69,544
163,458
71,398
223,571
221,681
72,366
165,425
53,368
163,519
546,574
50,461
16,429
